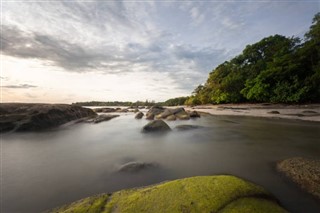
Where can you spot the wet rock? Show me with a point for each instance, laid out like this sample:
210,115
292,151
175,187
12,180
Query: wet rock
139,115
102,118
36,117
274,112
133,167
194,114
304,172
156,126
182,115
171,118
187,127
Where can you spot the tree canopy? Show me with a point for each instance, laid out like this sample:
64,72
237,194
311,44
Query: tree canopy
277,69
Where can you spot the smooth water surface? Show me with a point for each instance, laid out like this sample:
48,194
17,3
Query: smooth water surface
48,169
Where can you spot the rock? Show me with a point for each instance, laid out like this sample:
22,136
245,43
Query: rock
136,110
221,193
194,114
122,110
104,110
164,114
177,110
153,111
139,115
150,116
156,126
182,115
274,112
187,127
36,117
102,118
136,167
171,118
304,172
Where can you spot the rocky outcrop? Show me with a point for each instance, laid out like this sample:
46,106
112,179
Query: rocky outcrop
139,115
36,117
170,113
105,110
156,126
195,194
133,167
304,172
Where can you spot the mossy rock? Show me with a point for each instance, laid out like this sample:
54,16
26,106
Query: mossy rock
196,194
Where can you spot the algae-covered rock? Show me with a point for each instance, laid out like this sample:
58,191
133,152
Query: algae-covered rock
304,172
195,194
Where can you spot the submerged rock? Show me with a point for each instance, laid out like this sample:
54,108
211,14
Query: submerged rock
194,114
36,117
195,194
156,126
187,127
304,172
136,167
139,115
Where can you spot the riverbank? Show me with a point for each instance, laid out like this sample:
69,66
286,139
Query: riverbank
308,112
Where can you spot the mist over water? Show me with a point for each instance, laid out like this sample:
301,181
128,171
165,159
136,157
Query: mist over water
48,169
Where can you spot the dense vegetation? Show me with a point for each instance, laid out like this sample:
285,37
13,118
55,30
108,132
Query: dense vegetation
276,69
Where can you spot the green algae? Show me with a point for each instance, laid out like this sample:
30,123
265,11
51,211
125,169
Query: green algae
196,194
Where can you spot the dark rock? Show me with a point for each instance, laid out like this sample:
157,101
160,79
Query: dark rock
156,126
194,114
153,111
150,116
139,115
274,112
36,117
133,167
102,118
187,127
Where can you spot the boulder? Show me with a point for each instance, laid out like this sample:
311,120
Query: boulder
221,193
194,114
139,115
149,116
153,111
136,167
187,127
171,118
156,126
182,115
164,114
304,172
37,117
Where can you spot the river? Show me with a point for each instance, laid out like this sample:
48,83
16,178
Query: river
44,170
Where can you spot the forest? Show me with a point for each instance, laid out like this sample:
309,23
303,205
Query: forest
277,69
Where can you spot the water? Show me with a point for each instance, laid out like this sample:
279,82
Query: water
48,169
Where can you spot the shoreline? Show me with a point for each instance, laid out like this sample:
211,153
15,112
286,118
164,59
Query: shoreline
307,112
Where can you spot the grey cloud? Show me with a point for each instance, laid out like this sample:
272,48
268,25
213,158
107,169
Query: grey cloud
19,86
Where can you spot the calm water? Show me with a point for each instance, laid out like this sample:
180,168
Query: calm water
48,169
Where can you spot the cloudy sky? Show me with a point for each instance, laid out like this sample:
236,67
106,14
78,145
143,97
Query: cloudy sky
68,51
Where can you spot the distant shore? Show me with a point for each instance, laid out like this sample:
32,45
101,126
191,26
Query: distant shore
307,112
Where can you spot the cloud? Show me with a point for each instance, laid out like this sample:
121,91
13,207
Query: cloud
19,86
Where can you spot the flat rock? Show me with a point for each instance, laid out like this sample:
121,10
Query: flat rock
102,118
304,172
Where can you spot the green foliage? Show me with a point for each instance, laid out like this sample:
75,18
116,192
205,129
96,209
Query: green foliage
175,101
196,194
276,69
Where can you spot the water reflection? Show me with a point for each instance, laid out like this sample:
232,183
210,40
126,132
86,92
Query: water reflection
48,169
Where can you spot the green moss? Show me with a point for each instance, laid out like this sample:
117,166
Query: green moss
195,194
94,204
251,204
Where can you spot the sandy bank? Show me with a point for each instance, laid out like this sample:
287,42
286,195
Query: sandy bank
310,112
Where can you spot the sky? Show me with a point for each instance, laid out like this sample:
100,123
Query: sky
68,51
